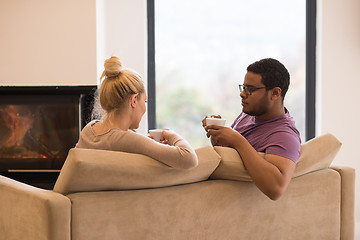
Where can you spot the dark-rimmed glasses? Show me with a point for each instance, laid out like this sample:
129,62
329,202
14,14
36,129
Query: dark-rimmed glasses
248,89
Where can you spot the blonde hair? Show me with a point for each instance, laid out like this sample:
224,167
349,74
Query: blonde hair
118,85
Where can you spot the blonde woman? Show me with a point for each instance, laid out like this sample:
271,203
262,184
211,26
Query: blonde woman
123,98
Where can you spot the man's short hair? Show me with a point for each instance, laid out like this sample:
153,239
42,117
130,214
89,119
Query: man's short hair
273,74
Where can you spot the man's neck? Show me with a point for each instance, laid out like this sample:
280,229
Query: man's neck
272,114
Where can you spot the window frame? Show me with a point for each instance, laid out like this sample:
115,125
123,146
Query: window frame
310,69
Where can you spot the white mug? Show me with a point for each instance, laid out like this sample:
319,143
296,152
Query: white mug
156,134
216,121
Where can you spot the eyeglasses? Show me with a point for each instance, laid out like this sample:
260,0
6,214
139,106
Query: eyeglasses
248,89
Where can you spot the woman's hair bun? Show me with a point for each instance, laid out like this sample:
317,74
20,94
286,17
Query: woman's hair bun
113,67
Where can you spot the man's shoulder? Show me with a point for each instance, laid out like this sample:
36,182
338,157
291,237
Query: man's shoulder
282,130
286,128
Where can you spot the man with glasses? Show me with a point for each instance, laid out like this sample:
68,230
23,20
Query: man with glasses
264,125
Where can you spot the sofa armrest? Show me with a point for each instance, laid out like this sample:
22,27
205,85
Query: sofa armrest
347,226
32,213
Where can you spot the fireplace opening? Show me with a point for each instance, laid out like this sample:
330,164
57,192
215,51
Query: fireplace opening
39,125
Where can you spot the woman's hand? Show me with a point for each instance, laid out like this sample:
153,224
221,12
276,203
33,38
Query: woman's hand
167,133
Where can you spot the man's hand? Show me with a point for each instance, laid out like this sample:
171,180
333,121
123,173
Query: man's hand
209,116
222,136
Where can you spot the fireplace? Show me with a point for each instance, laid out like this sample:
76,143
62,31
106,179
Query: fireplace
38,126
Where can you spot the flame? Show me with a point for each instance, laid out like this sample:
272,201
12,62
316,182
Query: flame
19,120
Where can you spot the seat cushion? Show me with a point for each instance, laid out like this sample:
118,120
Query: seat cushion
97,170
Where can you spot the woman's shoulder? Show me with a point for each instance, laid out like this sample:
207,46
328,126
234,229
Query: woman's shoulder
130,134
90,124
129,141
88,127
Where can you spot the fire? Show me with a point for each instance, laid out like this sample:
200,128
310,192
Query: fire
19,120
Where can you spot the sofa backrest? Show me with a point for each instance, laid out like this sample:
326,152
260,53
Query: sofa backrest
100,170
317,153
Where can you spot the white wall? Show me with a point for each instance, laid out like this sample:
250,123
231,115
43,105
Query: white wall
339,85
47,42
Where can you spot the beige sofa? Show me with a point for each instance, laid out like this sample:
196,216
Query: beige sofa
114,195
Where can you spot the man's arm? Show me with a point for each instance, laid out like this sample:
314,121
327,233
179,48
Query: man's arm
271,176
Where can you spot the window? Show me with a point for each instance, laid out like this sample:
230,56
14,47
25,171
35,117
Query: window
202,51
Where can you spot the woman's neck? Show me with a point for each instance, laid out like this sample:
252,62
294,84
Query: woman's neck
117,121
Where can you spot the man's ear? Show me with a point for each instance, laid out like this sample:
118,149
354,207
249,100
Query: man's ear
133,100
275,93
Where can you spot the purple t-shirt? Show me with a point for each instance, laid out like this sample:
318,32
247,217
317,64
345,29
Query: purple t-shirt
277,136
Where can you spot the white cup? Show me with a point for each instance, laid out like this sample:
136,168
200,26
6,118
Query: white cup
156,134
215,121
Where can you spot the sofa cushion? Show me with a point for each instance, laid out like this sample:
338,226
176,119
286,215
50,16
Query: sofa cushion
315,154
96,170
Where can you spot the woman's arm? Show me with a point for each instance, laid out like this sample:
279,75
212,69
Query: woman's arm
177,153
